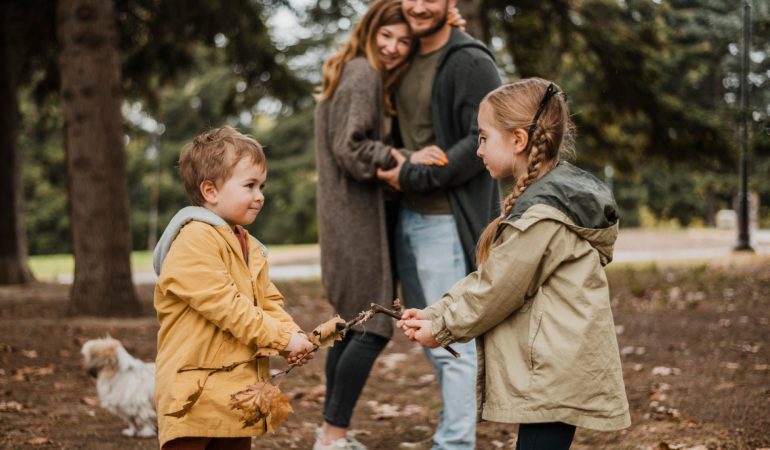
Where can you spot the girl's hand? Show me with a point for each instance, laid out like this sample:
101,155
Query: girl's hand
429,155
411,313
420,331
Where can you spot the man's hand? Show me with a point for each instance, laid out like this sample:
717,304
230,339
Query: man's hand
390,176
429,155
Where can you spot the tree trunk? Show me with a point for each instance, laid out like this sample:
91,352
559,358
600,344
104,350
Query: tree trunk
89,64
471,11
14,268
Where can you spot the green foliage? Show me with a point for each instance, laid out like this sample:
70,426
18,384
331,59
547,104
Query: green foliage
653,87
289,213
44,180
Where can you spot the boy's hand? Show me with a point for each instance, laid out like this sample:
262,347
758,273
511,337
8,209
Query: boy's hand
421,331
298,350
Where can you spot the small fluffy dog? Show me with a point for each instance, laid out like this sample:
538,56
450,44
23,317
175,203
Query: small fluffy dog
126,385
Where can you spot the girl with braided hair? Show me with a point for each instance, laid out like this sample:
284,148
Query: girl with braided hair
539,304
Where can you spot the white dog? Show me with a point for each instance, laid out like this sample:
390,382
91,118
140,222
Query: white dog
125,384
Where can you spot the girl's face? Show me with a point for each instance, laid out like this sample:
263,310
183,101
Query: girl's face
393,44
498,148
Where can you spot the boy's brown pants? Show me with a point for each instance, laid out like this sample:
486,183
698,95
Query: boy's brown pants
204,443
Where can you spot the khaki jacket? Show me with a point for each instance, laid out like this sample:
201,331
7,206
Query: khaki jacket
540,309
213,310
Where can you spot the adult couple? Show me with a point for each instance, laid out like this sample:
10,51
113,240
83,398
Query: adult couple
406,80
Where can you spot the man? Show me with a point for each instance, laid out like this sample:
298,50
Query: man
446,206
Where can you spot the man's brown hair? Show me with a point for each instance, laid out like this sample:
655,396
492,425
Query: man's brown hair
213,155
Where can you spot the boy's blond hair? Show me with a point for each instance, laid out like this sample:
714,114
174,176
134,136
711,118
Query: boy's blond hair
213,155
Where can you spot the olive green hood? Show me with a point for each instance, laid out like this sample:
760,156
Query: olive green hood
576,198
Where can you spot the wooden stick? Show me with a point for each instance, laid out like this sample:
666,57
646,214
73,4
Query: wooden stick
397,316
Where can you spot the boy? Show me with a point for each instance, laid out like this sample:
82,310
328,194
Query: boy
214,301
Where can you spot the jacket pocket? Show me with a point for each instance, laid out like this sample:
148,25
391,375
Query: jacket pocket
534,330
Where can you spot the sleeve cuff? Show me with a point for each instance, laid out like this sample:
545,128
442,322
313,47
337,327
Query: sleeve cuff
283,339
442,335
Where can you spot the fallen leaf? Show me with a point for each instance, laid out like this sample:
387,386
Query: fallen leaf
29,372
11,406
38,441
261,401
31,354
90,401
381,411
665,371
313,393
325,334
390,361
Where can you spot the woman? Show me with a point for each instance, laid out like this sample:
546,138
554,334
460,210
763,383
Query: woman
350,123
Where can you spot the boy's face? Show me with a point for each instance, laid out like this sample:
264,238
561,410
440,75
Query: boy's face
238,199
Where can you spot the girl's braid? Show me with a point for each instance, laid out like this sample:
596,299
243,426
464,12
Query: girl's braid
534,164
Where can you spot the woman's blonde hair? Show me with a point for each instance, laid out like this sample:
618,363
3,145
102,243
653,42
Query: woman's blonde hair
537,106
363,42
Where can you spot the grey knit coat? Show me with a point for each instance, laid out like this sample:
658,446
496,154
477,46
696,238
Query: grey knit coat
355,262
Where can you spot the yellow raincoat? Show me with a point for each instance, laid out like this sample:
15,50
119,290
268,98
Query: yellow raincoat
213,310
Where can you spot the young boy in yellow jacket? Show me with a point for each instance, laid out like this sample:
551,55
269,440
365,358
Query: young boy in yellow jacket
214,301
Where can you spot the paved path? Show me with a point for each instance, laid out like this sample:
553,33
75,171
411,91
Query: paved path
633,245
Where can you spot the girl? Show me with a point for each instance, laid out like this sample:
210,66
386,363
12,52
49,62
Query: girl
539,301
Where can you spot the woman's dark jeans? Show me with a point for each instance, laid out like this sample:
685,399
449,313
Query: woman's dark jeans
348,364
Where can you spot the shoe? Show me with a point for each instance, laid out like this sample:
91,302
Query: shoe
349,443
355,444
425,444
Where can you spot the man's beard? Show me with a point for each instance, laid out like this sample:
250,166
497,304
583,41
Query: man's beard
438,26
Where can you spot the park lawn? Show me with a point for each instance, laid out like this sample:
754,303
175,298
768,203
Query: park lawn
693,338
52,267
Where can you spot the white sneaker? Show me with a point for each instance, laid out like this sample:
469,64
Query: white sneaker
355,444
337,444
349,443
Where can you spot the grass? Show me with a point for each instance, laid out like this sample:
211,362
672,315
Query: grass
49,267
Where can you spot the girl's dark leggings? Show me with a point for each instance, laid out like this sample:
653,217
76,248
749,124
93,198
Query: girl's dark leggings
545,436
348,364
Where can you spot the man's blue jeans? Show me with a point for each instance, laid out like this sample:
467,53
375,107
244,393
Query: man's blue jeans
429,259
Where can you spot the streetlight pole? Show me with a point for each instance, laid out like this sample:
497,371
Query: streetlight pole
744,242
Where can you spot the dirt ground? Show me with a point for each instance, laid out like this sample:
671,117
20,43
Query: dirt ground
694,343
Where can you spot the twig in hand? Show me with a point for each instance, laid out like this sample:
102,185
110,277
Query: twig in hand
375,308
395,315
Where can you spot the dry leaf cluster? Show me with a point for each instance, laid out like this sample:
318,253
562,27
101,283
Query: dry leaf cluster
261,401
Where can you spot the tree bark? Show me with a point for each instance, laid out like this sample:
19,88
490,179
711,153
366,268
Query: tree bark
471,11
89,65
14,268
